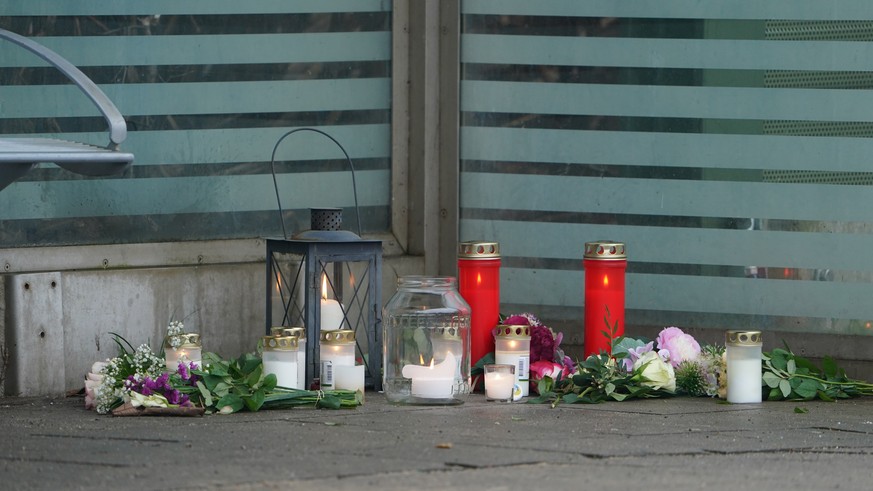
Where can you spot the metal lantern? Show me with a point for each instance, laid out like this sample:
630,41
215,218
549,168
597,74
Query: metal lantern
328,279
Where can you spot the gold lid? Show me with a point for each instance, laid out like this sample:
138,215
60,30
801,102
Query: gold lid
280,343
743,338
512,331
188,340
299,332
339,336
605,250
477,249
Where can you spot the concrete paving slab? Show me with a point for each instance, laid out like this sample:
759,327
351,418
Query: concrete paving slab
682,443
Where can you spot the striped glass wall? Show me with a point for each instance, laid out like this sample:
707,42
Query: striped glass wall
729,144
207,87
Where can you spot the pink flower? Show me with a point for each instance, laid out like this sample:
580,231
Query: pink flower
679,346
542,369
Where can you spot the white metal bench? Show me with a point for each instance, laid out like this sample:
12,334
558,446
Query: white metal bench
20,154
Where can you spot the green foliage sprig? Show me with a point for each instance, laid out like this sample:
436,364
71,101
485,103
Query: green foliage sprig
792,377
228,386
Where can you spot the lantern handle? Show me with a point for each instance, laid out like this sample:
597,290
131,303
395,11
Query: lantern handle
276,183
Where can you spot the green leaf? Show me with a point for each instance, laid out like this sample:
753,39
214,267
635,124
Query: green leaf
234,401
207,395
255,401
270,382
775,394
618,396
785,388
801,410
771,379
791,366
221,389
328,402
808,388
829,367
825,397
610,388
254,378
778,359
571,398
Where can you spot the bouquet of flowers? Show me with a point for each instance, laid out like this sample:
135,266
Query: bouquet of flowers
673,364
137,380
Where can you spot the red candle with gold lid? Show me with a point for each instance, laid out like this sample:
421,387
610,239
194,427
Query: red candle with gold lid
605,263
479,284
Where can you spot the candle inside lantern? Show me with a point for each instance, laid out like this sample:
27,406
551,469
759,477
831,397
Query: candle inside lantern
605,263
499,382
331,311
337,349
434,381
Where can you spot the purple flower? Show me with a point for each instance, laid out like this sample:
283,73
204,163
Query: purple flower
634,354
184,373
678,345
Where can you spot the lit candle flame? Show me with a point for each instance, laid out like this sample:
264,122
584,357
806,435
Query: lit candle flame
323,286
605,280
478,278
421,361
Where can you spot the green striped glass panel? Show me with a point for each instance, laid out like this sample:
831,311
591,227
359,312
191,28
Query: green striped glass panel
207,88
727,143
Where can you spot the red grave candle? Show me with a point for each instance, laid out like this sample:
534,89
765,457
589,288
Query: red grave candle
605,263
479,284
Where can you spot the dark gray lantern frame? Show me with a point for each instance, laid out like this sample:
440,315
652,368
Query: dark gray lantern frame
314,257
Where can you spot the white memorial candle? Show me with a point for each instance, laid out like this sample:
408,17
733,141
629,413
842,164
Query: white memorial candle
498,386
331,314
349,377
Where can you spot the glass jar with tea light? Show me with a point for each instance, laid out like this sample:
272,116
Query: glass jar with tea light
426,342
512,347
188,350
280,359
337,348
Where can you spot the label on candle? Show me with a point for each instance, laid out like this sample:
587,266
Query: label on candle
522,367
327,374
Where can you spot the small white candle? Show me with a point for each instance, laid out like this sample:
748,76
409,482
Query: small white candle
349,377
498,386
433,381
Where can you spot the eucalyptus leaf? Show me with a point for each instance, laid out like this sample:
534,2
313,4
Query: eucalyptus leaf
791,366
785,388
771,379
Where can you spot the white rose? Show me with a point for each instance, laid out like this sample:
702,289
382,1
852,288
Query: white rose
656,373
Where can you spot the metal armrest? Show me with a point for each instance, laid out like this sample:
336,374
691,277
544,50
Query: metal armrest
117,126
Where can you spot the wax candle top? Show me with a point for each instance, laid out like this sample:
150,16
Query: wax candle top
444,369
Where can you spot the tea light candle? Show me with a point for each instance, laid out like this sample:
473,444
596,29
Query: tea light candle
499,382
433,381
743,353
